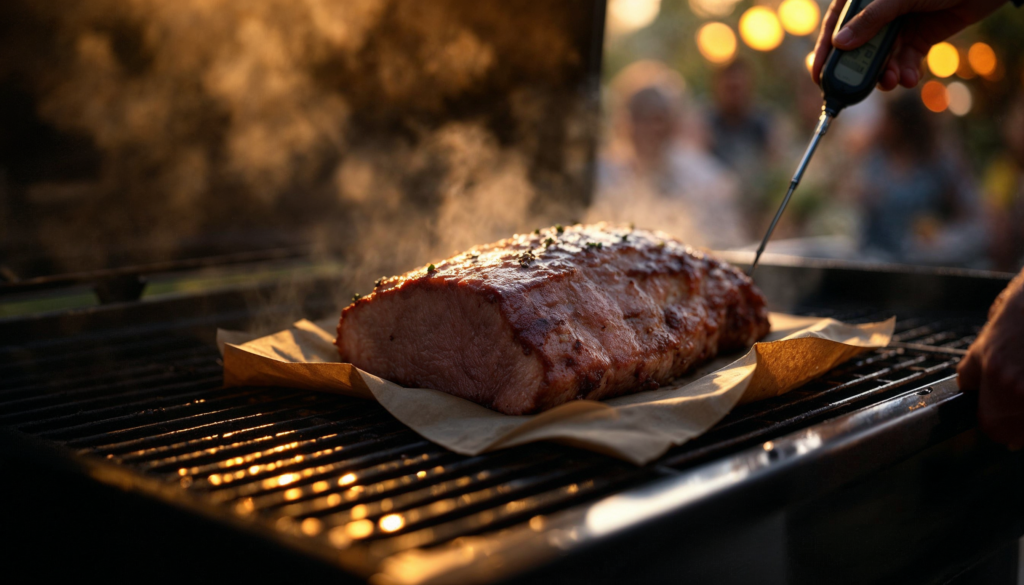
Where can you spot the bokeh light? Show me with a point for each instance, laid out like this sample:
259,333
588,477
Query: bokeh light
935,96
964,71
627,16
799,17
960,99
716,42
713,8
760,29
943,60
982,58
809,61
359,529
392,522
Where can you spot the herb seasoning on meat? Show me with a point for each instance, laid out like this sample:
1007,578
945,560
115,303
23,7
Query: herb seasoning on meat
506,338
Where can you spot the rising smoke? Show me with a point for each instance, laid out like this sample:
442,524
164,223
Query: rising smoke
386,132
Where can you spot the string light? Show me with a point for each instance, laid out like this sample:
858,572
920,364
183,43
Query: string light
934,96
960,99
799,17
982,59
627,16
760,29
716,42
713,8
943,59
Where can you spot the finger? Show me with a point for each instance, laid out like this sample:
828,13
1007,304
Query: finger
890,78
909,64
999,411
824,43
914,43
969,372
863,27
909,71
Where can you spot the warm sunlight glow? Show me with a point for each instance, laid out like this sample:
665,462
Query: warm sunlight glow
760,29
935,96
943,60
716,42
799,17
809,61
713,8
627,16
982,58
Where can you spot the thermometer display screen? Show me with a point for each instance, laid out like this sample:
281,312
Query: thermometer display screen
853,65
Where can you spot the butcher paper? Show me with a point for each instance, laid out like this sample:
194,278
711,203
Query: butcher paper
637,428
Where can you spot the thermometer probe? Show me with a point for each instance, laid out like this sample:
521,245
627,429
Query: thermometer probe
847,78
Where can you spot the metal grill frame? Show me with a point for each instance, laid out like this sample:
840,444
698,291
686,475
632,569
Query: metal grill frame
545,543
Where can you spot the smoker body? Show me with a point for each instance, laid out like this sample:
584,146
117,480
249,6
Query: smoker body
876,472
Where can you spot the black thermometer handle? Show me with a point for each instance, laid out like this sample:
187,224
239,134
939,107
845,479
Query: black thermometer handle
849,76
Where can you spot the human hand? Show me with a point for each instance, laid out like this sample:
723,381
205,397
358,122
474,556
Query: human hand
927,23
994,367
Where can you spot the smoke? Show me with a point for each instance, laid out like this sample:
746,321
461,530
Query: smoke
386,133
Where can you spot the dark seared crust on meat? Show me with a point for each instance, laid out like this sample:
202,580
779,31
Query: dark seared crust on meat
586,312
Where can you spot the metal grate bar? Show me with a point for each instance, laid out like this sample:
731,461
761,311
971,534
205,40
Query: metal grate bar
371,483
294,414
167,396
141,349
45,407
436,491
760,428
494,518
202,411
214,457
112,370
919,347
124,416
261,465
331,477
123,375
386,452
345,473
388,522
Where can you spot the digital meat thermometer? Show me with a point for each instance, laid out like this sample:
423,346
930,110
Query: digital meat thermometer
847,78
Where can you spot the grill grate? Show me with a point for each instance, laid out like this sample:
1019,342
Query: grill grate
342,474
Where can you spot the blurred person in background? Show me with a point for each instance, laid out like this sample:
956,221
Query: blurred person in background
1004,192
742,135
993,365
656,171
918,200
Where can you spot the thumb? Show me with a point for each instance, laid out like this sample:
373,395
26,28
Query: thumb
863,27
969,372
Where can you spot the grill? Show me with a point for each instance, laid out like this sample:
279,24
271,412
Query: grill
352,490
